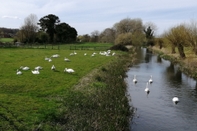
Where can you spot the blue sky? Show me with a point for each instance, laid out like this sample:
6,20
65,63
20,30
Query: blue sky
87,16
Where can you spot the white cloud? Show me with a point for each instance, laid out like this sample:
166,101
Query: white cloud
10,17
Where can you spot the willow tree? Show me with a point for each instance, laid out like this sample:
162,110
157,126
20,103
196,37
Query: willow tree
191,35
177,36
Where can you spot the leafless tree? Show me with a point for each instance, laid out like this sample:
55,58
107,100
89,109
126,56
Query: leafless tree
108,35
29,29
128,25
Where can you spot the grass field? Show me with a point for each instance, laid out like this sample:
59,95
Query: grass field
46,101
4,40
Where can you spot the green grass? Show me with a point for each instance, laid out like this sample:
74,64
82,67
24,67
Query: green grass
5,40
49,101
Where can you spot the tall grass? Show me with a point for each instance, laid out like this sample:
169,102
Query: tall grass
55,100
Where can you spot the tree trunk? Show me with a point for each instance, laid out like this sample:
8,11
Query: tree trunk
173,50
181,50
195,50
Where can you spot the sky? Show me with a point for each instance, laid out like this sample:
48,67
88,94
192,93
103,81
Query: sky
87,16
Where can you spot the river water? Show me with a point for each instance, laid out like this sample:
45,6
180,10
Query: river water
156,111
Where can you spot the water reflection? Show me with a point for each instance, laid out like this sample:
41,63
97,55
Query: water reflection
159,60
148,55
173,74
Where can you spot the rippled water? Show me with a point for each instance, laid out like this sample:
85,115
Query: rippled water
156,111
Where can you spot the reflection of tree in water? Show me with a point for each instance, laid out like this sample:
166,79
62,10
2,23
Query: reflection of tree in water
173,75
159,60
138,56
148,55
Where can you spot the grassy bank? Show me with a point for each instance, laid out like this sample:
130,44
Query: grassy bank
187,65
92,98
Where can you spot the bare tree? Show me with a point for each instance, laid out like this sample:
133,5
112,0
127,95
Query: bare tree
108,35
95,36
128,25
29,29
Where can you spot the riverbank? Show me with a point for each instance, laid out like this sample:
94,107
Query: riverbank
187,65
103,104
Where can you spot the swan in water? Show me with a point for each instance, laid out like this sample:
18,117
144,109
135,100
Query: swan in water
151,79
134,79
175,100
147,89
35,72
69,70
18,72
24,68
53,67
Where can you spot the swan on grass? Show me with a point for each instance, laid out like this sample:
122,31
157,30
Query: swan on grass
175,100
66,59
69,70
35,72
49,60
38,68
55,55
24,68
135,79
52,67
151,79
147,89
18,72
46,58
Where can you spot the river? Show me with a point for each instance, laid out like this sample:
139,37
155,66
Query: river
156,111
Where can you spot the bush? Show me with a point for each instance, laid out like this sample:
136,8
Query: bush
119,47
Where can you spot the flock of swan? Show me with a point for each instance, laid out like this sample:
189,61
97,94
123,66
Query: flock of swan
175,99
37,69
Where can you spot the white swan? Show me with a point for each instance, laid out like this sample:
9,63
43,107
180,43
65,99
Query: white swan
35,72
24,68
147,89
53,67
38,67
46,58
66,59
55,56
49,59
69,70
134,79
175,100
151,79
18,72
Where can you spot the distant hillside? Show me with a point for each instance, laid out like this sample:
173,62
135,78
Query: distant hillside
7,32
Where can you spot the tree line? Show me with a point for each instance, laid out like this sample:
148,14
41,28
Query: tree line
48,29
125,32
